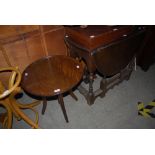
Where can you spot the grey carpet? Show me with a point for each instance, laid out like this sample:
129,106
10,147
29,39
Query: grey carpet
117,110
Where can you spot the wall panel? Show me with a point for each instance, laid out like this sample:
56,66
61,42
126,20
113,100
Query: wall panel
24,43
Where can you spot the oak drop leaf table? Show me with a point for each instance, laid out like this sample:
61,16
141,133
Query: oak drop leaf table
85,43
52,76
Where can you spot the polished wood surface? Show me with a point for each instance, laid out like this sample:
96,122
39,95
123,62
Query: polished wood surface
94,36
116,61
113,58
84,42
51,76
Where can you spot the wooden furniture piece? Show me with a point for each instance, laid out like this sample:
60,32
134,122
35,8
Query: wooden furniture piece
10,104
52,76
84,42
146,55
116,61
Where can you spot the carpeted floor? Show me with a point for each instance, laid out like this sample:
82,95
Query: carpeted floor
117,110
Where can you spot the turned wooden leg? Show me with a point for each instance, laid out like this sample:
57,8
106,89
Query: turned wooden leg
91,79
90,97
73,95
61,102
44,105
86,77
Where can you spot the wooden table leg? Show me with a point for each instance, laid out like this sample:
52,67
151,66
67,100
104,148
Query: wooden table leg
61,102
90,97
44,105
73,95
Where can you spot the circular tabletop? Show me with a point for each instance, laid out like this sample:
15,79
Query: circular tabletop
53,75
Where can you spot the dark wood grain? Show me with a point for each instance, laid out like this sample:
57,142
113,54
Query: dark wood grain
84,42
94,36
113,58
51,76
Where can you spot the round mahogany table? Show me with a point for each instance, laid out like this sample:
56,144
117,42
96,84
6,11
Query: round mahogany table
52,76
